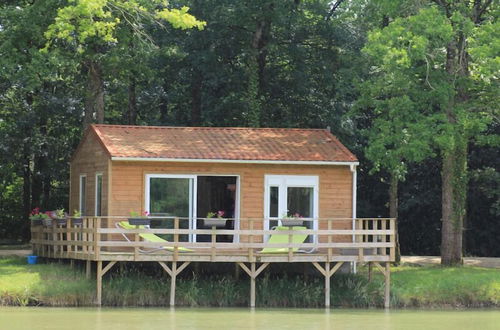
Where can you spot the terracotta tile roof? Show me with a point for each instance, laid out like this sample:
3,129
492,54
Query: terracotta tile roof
222,143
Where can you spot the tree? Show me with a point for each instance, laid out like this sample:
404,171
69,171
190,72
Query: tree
426,56
89,27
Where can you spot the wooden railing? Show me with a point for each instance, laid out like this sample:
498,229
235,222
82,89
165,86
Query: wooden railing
372,239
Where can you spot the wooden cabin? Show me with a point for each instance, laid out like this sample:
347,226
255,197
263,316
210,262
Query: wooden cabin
274,193
265,174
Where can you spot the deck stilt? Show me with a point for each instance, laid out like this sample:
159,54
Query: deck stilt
173,272
387,291
88,269
327,273
173,279
327,285
252,285
99,283
253,272
100,273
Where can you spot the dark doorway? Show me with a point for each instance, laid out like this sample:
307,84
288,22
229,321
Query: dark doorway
216,197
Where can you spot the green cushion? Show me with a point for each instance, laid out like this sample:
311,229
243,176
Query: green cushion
151,237
283,239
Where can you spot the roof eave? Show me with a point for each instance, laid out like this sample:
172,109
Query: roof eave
235,161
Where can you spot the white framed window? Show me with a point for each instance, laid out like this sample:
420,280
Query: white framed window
98,194
185,196
291,196
172,195
83,194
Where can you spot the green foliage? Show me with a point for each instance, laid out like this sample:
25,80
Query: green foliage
58,285
97,20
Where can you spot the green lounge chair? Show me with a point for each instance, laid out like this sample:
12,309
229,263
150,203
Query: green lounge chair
148,237
283,239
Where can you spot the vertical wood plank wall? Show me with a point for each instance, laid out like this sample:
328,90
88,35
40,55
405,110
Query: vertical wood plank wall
90,158
335,186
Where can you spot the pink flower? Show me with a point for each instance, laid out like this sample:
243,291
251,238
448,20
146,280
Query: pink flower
145,213
220,213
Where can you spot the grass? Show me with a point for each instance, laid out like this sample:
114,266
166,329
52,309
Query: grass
438,286
55,284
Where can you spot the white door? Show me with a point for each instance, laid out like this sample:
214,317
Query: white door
291,196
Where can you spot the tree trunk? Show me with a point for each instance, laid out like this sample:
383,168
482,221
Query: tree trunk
259,43
452,212
196,87
393,210
26,183
164,111
131,117
94,100
40,166
454,170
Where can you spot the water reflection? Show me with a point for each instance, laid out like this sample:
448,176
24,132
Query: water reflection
16,318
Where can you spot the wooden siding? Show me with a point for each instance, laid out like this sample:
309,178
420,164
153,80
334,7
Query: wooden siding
335,186
89,159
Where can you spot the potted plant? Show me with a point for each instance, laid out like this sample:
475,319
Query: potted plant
139,220
37,218
77,218
60,216
292,220
215,219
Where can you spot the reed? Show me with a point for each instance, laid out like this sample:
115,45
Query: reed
56,284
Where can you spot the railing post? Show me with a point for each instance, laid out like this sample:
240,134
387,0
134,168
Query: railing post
136,248
250,249
97,238
393,239
85,236
290,241
385,224
213,240
68,236
176,239
330,252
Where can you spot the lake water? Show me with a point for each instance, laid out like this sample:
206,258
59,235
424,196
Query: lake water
16,318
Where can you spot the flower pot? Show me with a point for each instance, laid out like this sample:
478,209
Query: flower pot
61,221
139,221
292,222
37,222
215,222
77,221
47,222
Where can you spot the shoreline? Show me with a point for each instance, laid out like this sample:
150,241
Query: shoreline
413,287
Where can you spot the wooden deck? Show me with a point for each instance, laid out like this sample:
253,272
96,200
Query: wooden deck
98,240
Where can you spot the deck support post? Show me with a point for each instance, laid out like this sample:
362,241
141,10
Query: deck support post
252,285
387,287
173,279
100,273
327,285
173,271
327,273
88,269
253,272
370,267
99,283
387,291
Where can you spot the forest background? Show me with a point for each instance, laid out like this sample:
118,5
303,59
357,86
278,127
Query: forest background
411,87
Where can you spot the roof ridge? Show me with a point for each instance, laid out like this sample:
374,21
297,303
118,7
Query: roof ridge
209,127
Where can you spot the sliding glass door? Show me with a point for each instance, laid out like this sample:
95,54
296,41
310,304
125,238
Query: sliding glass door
172,196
